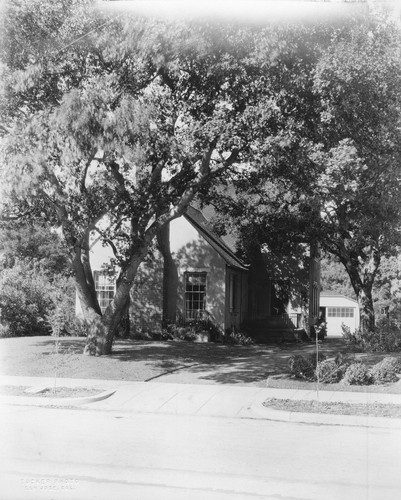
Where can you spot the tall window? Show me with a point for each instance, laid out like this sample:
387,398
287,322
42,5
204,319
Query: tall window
195,294
233,292
105,289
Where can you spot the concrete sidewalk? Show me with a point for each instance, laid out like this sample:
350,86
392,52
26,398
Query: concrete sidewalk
223,400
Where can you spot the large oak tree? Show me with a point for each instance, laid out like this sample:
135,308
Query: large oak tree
113,125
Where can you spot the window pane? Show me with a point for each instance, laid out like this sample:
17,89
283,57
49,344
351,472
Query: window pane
340,312
105,289
195,294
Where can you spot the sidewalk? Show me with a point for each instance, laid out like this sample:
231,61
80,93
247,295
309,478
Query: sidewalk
222,400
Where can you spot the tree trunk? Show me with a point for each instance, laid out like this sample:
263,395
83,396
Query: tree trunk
314,285
170,277
102,329
98,341
84,282
362,274
124,327
366,310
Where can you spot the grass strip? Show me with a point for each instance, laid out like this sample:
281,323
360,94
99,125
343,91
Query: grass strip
335,408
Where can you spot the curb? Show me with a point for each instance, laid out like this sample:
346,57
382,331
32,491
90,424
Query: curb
38,401
325,419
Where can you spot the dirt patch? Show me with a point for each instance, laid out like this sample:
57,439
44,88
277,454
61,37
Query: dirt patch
335,408
51,392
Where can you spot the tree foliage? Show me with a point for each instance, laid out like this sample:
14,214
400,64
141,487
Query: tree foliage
334,277
358,82
113,125
25,300
117,135
330,170
34,281
33,244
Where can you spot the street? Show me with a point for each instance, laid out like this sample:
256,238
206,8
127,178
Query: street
52,453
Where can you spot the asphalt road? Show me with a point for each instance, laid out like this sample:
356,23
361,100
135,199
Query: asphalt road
57,454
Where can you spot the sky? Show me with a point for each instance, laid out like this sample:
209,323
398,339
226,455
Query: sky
249,11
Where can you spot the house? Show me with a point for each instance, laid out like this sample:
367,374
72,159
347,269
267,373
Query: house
211,281
338,310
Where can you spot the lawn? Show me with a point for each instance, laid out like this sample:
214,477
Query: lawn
171,361
335,408
50,392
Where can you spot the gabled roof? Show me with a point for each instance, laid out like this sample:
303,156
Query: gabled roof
209,213
200,223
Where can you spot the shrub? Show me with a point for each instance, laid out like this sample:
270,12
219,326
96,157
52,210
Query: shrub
189,330
353,340
314,360
301,367
357,374
384,338
304,366
238,338
328,372
31,304
141,334
25,300
385,371
5,331
339,359
61,316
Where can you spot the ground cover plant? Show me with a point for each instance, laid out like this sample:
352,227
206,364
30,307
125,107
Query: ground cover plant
339,369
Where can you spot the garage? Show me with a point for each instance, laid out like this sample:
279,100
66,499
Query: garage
336,310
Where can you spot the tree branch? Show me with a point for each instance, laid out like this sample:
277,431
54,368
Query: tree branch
186,197
232,158
107,240
85,172
166,78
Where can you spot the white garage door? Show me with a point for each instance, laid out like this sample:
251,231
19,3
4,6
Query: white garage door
336,316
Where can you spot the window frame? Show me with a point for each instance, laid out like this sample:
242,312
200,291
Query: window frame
190,313
108,288
234,292
340,312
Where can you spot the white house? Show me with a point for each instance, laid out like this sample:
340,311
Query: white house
337,310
